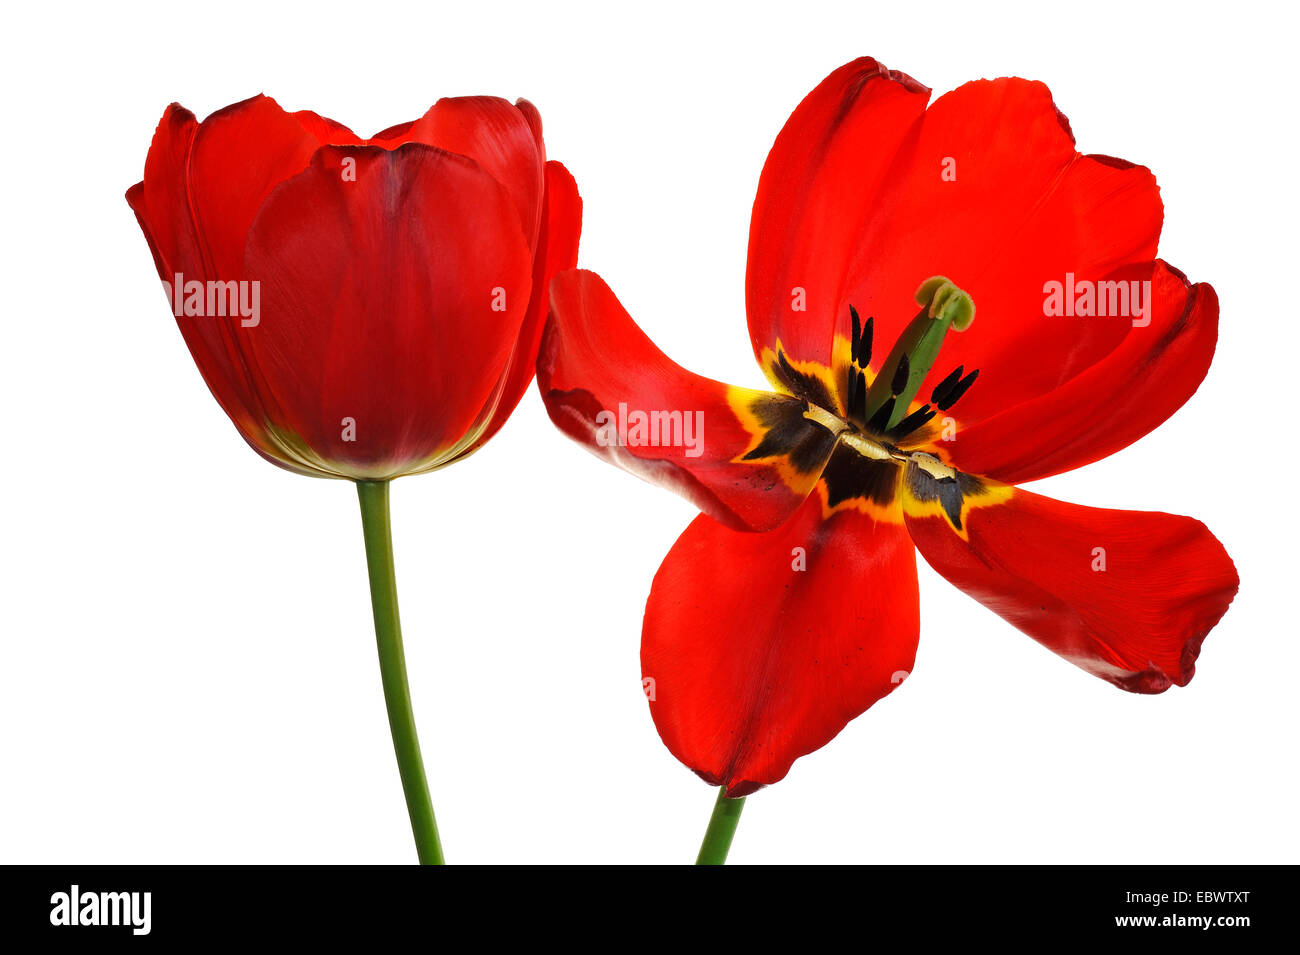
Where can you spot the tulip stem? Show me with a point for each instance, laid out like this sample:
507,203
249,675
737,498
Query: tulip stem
722,827
377,529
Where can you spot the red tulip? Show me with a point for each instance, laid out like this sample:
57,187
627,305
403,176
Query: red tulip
790,605
360,308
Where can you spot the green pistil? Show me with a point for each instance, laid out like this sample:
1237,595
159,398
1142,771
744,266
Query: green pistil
943,306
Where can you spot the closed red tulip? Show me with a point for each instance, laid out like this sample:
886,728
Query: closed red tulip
360,309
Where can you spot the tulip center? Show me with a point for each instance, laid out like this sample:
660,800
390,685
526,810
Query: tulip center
878,415
868,424
880,411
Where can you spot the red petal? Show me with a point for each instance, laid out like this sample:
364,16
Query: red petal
557,251
1138,623
534,120
1025,208
755,663
135,199
821,182
1111,404
393,136
163,200
326,131
377,302
240,154
499,137
162,207
596,370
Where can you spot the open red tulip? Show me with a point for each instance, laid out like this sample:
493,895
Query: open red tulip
360,308
790,605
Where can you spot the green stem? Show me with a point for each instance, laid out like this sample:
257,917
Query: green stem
722,827
392,668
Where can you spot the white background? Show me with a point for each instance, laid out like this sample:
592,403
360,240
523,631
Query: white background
188,673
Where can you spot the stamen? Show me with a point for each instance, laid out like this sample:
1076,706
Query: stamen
917,419
868,448
942,387
881,417
933,466
860,354
901,374
830,422
957,391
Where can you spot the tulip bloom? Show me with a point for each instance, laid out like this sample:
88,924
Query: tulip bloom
790,605
361,309
400,281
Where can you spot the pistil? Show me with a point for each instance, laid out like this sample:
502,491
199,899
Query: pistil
944,307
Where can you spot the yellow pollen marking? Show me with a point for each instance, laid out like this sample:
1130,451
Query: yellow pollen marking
991,495
932,461
741,401
891,513
813,369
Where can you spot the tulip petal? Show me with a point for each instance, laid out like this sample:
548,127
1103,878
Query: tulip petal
557,251
822,181
533,117
500,137
163,200
391,301
993,195
240,154
327,131
393,136
1128,596
748,458
1108,406
162,208
760,648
